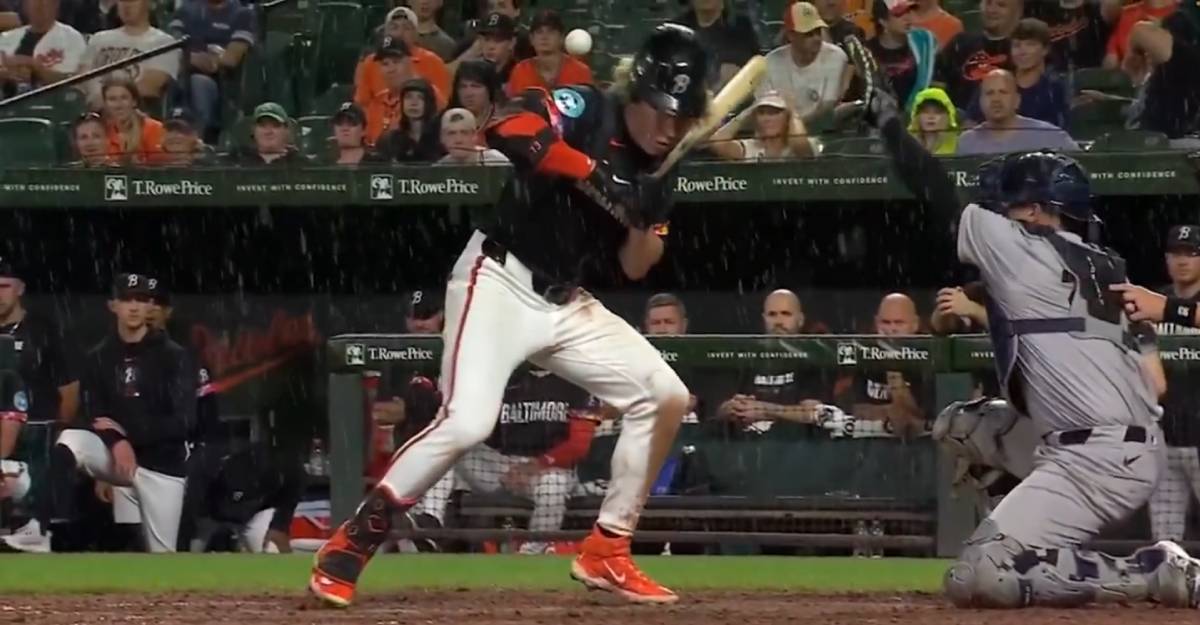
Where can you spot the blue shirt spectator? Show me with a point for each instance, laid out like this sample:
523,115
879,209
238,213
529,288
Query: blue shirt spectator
221,32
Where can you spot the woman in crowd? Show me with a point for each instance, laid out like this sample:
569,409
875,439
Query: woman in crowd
478,89
89,136
416,137
133,136
934,121
777,133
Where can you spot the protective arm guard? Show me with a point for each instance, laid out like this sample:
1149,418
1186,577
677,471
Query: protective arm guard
987,433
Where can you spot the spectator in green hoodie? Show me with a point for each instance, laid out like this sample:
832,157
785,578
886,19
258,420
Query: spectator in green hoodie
934,121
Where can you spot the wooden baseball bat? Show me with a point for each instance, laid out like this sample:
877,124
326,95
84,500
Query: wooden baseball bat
740,87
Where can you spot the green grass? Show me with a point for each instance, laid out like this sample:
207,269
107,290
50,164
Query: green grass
64,573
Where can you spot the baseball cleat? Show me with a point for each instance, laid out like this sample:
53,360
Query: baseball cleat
336,569
1177,579
605,563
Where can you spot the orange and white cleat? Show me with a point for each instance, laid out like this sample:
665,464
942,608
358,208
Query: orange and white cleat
604,563
336,569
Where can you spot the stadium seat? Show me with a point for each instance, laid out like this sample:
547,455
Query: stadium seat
314,133
60,105
28,141
858,146
1093,119
268,73
329,101
1131,141
1100,79
972,21
343,31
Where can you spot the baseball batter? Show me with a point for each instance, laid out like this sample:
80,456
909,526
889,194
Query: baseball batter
581,210
1068,360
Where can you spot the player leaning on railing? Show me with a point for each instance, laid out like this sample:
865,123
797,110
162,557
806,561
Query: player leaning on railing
1069,362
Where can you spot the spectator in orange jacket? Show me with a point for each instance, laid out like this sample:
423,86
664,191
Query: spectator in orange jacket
551,67
386,108
369,83
133,136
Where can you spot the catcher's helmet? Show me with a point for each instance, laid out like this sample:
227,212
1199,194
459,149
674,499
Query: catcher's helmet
1055,181
669,72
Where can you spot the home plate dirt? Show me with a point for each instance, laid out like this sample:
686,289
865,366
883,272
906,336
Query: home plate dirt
551,608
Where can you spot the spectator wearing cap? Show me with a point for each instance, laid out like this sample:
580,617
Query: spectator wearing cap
416,138
1183,267
424,312
729,35
1164,60
384,108
778,133
470,47
44,51
1043,95
498,34
159,309
181,144
1004,130
906,55
930,15
89,138
349,137
810,73
369,81
460,141
153,75
551,67
48,393
429,33
220,33
133,136
933,120
271,139
962,63
478,89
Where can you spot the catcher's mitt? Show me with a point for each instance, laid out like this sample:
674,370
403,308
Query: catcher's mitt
879,103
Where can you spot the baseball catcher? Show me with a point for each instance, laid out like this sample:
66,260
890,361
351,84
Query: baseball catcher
1068,359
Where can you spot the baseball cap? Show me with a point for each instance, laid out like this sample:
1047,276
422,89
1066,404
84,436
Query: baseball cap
772,99
802,17
880,9
458,116
179,119
8,269
158,291
423,304
1184,237
128,285
270,110
547,17
393,47
403,13
498,24
350,112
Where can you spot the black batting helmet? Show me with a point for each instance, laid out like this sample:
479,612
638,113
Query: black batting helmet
669,72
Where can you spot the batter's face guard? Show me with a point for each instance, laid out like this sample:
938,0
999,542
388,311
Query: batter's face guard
669,72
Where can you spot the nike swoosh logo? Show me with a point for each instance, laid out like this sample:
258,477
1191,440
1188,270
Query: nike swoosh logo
620,579
1129,461
324,581
619,180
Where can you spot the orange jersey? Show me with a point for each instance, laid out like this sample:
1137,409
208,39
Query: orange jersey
148,150
369,84
383,114
525,75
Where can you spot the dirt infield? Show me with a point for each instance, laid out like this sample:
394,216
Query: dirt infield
547,608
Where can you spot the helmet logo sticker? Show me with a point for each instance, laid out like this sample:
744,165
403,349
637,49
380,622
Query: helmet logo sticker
570,103
681,84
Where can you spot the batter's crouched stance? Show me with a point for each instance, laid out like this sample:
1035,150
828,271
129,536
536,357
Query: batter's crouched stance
1069,360
579,211
139,399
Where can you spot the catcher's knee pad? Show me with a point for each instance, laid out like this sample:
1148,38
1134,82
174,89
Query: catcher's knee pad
983,576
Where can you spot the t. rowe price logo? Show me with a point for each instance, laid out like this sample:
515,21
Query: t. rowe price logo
716,184
383,354
449,186
1182,353
850,353
120,188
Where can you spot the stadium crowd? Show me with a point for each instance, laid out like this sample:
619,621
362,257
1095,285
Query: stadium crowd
1016,75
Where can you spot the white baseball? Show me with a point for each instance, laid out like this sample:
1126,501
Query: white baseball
579,42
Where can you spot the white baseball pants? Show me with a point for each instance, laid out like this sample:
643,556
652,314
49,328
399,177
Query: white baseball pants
482,468
494,321
154,499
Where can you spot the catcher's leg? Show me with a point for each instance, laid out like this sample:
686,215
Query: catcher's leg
604,355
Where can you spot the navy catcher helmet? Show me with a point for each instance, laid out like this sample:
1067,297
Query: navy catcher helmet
1055,181
669,72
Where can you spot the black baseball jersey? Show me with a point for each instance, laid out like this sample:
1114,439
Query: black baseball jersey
1181,404
149,388
42,363
786,384
536,414
870,386
542,218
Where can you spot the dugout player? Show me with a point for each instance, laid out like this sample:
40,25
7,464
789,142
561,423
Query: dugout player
545,428
139,400
1068,360
1181,405
580,211
50,394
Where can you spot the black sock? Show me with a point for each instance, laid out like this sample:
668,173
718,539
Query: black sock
606,533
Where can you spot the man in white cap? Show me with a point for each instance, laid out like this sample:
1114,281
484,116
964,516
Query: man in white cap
458,139
810,73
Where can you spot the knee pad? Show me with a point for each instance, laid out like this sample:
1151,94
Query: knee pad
983,576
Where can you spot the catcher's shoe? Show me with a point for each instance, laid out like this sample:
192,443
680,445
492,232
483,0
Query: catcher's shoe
605,563
1176,581
343,557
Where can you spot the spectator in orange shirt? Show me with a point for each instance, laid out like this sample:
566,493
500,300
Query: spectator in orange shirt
133,136
477,88
368,76
89,135
385,109
930,15
551,67
1131,14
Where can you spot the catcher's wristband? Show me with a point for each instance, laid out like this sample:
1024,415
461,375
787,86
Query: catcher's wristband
1180,311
